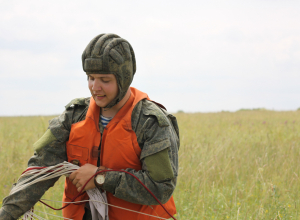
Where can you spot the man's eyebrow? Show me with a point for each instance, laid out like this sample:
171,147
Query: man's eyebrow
104,76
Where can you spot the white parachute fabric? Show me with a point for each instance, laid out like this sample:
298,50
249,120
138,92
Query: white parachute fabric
98,200
98,209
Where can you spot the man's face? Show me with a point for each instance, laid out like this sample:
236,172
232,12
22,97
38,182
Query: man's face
103,87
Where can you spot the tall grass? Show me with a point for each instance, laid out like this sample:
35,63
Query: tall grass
17,135
241,165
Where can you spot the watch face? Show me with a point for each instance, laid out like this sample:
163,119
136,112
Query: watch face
100,179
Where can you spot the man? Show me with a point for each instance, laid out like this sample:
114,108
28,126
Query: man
117,128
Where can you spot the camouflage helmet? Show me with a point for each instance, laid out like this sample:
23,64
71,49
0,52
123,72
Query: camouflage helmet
111,54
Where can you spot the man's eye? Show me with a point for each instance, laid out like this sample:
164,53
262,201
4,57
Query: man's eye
105,81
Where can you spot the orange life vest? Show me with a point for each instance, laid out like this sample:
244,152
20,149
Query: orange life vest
119,150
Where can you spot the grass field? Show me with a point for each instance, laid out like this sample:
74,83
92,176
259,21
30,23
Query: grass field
241,165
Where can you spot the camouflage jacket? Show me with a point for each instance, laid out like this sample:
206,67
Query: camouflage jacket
159,158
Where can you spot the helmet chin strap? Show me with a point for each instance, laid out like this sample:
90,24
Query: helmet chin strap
124,98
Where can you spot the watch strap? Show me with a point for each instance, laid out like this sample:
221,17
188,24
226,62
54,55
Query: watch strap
99,169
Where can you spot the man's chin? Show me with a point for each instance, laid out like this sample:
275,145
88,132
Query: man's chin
101,104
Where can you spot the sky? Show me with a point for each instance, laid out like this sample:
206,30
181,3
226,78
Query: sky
193,55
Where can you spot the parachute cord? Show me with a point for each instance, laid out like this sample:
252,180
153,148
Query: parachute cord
102,171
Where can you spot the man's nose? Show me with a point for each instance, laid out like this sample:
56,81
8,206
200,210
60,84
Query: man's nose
96,85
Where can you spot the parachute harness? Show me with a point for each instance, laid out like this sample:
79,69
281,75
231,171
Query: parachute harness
44,173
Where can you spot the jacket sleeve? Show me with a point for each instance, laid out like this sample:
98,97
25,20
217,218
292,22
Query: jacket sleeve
48,150
159,142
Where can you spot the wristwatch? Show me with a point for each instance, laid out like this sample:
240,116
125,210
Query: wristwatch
100,178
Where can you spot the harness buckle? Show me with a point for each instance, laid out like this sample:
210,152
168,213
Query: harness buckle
76,162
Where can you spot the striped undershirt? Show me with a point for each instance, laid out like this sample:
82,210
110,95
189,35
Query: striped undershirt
105,120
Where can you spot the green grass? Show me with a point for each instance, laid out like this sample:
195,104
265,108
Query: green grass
241,165
17,135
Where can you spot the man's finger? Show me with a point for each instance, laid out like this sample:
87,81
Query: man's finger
79,188
72,176
75,181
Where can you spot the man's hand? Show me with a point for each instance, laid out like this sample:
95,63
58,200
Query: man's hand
81,176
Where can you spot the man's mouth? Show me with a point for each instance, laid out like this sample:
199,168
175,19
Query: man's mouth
100,97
